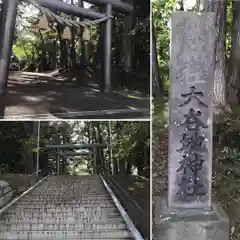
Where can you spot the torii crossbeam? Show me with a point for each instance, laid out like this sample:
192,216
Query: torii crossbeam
93,146
77,146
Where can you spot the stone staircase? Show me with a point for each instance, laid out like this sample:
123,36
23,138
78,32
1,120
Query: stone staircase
65,207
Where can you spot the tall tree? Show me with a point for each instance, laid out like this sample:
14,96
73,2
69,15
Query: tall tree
234,69
220,86
157,80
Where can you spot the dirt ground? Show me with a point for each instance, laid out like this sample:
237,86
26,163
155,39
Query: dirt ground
33,95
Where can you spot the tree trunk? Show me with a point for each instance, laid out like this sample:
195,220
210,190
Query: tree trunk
100,46
80,4
100,140
126,54
43,54
157,80
234,68
89,133
140,170
54,55
219,7
122,166
129,168
73,49
59,33
95,136
110,147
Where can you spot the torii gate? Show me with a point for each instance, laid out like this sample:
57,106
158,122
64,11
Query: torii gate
92,147
7,26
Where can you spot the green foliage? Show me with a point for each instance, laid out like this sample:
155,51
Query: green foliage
12,140
229,156
133,147
161,11
130,140
227,128
229,28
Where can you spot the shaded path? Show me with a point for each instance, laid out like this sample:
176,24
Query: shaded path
33,95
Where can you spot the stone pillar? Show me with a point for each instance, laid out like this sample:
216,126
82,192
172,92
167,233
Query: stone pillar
7,25
189,213
108,51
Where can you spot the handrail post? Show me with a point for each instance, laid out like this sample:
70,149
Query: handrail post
7,25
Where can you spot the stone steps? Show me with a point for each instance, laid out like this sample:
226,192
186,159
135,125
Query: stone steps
65,208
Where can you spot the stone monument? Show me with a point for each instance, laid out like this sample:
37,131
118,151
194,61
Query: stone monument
188,213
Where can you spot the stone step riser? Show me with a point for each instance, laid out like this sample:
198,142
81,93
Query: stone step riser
59,215
66,195
66,198
63,203
65,234
62,221
62,212
65,209
62,227
62,185
60,238
81,196
54,187
79,206
49,189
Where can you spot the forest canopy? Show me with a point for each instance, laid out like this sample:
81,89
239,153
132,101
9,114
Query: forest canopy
130,144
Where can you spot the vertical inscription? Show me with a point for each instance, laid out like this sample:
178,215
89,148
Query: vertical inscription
192,56
193,149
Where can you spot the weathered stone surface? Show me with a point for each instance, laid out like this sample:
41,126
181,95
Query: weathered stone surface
192,71
189,224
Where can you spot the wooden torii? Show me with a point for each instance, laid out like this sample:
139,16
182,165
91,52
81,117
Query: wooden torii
61,150
7,26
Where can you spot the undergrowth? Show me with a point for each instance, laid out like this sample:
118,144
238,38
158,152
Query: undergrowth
226,159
